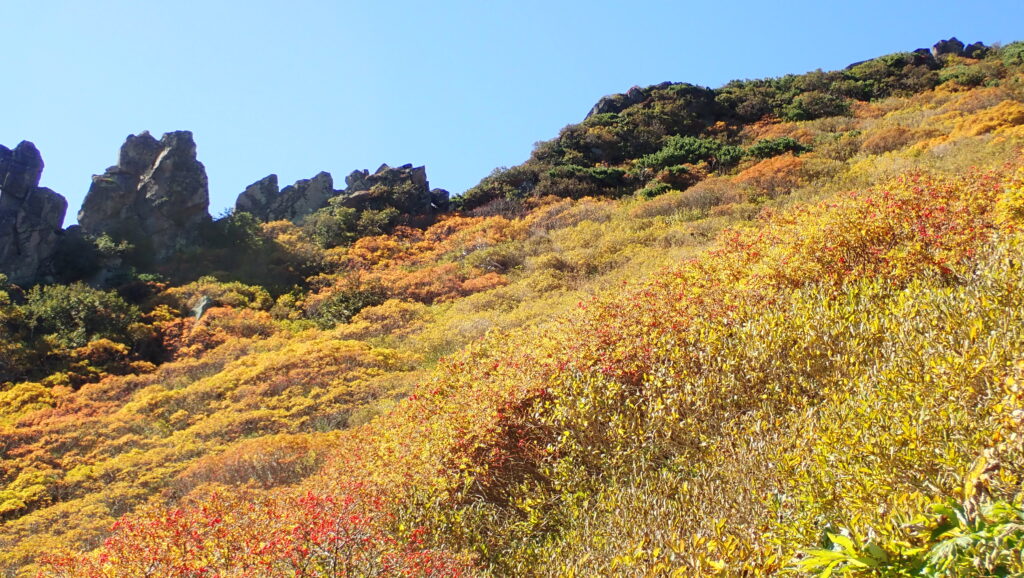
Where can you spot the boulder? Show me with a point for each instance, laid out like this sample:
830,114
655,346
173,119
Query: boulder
620,102
924,57
976,50
31,217
405,188
258,198
951,46
440,200
157,196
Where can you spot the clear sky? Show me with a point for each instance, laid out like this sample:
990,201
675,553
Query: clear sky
296,87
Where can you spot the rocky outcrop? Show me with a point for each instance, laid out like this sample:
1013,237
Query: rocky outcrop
293,203
976,50
404,188
31,216
156,196
619,102
951,46
258,198
957,48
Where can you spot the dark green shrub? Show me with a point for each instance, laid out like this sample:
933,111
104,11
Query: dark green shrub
814,104
601,176
679,177
343,305
238,230
654,189
1012,54
773,147
332,226
680,150
498,258
574,181
603,119
963,75
377,222
76,257
511,184
73,315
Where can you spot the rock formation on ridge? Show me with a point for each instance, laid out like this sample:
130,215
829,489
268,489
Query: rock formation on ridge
30,216
405,188
266,202
156,196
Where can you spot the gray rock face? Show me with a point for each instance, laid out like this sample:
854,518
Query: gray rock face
976,50
305,197
294,203
405,188
618,102
924,56
258,198
156,196
31,216
951,46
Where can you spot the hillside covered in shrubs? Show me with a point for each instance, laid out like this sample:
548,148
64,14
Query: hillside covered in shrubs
771,328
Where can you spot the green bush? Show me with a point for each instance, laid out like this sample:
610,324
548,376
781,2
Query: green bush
601,176
1012,54
332,226
951,540
237,230
680,150
343,305
73,315
773,147
893,74
377,222
503,183
498,258
963,75
652,190
814,104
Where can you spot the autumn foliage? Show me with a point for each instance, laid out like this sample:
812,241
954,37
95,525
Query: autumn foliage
786,342
241,535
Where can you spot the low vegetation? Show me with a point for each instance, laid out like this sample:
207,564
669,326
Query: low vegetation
775,328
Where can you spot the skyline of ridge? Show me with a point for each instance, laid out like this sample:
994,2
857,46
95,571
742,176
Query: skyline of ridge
458,88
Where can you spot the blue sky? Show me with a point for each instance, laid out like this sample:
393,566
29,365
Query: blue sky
462,87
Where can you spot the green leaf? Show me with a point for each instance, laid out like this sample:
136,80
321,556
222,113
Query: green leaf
843,542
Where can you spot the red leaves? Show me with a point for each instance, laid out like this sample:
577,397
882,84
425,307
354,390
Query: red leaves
252,535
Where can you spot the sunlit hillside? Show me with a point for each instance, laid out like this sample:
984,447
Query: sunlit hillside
774,328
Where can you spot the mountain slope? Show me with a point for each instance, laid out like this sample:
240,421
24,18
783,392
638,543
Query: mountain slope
776,334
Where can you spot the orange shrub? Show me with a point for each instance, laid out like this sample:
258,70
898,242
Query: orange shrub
888,139
265,462
484,282
426,285
774,176
1006,114
392,316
